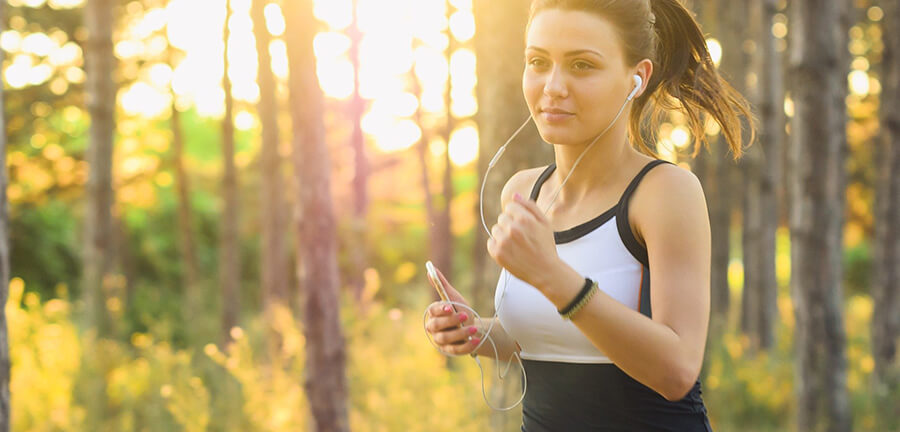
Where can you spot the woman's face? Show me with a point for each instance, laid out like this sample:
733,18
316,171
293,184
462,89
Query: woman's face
575,77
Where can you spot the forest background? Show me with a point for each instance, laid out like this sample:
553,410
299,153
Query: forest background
216,213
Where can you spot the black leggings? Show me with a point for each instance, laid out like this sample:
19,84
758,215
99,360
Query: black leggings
601,397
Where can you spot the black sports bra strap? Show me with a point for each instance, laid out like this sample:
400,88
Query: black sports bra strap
637,180
536,189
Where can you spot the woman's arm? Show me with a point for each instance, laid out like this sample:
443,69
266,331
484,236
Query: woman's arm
664,353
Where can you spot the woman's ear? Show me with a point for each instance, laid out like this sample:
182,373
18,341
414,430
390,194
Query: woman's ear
644,69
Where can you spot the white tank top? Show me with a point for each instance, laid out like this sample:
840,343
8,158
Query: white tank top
603,249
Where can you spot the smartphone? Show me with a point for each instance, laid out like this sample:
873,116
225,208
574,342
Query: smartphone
437,284
442,292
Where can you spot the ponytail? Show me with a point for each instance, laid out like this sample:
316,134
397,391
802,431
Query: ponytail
687,80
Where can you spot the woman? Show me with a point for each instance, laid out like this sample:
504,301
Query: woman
604,348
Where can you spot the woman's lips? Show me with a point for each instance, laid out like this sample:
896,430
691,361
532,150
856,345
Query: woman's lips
556,115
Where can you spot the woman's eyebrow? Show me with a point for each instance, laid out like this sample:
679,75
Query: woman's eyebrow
568,54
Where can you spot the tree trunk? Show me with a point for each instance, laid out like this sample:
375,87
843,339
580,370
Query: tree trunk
816,214
763,170
886,289
273,263
100,98
101,105
712,170
499,44
361,172
5,411
190,272
229,259
443,244
326,382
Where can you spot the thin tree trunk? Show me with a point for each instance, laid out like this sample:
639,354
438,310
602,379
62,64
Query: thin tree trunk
229,259
273,263
816,214
326,382
771,91
712,169
361,166
100,98
443,235
190,272
886,289
5,411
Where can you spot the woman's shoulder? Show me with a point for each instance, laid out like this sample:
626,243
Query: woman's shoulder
521,182
669,195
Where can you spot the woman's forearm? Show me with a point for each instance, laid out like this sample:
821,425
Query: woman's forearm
648,351
506,345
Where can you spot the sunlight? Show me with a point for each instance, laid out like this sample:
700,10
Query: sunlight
462,25
335,77
336,13
142,99
715,50
274,19
464,145
859,82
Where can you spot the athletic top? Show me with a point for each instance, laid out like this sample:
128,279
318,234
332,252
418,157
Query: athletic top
572,385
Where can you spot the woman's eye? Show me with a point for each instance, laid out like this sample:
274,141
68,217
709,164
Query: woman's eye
582,65
536,62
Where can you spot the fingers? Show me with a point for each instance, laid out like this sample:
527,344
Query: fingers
455,336
447,321
461,349
526,207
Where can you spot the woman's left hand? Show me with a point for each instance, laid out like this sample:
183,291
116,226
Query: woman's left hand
523,242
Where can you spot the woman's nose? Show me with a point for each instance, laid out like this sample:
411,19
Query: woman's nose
555,84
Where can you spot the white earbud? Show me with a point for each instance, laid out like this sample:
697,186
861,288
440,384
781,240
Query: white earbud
637,86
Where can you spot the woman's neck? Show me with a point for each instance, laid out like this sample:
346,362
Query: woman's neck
599,168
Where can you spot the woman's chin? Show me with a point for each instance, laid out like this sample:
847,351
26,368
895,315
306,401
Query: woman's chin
557,137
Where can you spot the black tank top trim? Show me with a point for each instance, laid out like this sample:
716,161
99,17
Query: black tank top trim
580,230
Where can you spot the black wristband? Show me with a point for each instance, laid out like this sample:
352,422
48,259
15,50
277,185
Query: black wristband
584,291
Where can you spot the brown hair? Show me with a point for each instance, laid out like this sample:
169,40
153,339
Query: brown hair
665,32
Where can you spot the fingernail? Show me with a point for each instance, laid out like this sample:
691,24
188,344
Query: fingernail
516,196
472,330
476,340
447,308
463,316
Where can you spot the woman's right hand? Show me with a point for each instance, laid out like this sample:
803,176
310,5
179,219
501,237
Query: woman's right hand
450,330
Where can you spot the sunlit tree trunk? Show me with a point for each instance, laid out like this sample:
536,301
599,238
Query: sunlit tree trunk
100,98
189,273
499,47
443,237
4,254
274,260
361,166
817,189
229,259
886,289
326,382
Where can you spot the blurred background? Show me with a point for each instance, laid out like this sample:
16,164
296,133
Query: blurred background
217,212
